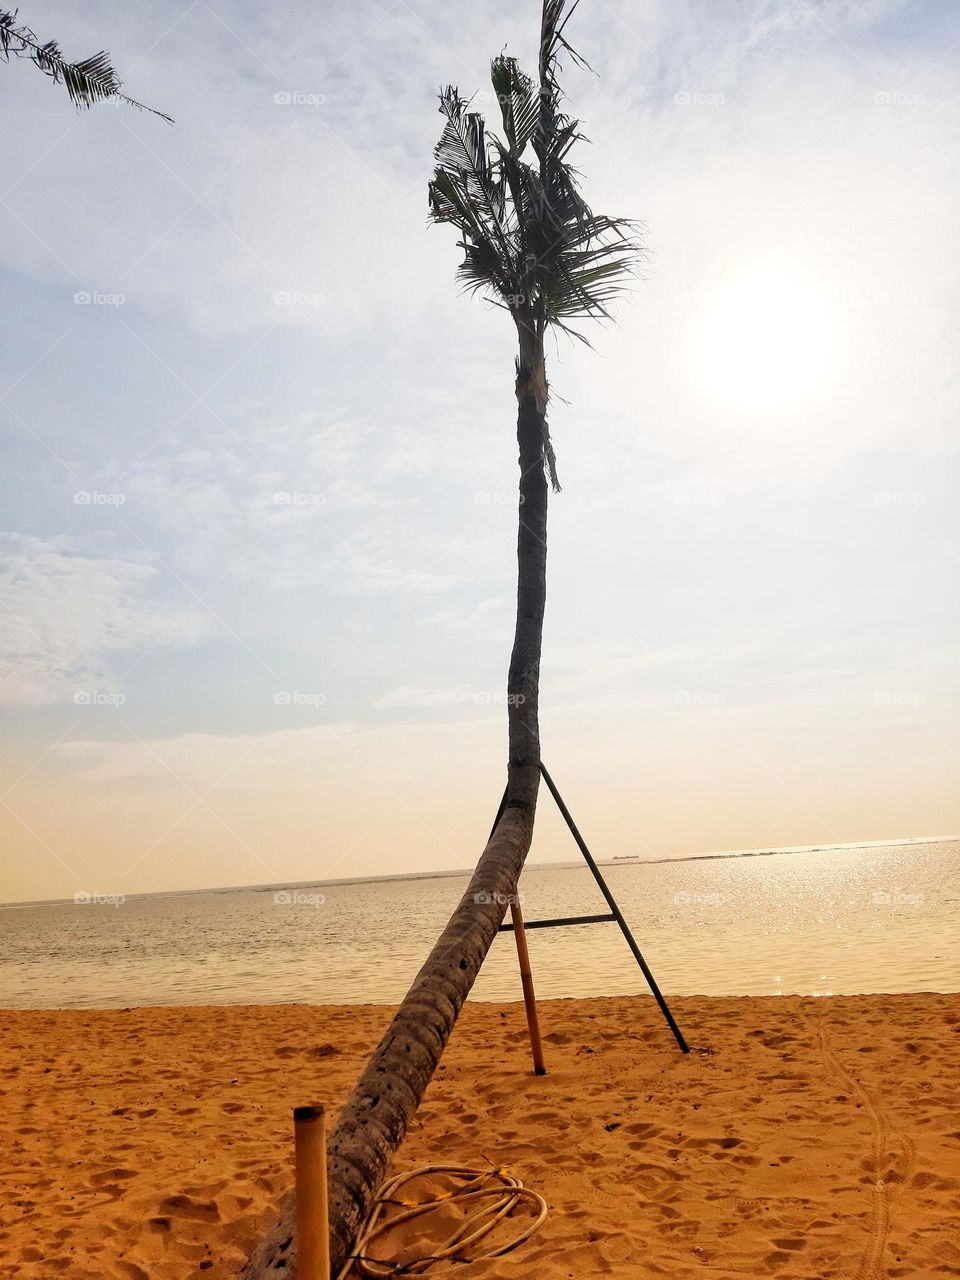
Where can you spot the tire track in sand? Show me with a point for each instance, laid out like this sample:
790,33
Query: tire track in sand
894,1156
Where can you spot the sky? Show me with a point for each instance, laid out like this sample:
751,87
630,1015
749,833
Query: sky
257,559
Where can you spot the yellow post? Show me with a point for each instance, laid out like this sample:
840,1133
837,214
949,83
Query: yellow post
313,1226
526,981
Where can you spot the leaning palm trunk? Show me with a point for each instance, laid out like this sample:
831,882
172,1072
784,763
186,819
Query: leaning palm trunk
373,1123
531,242
375,1119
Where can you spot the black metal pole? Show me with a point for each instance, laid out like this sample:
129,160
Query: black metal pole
561,922
503,805
617,913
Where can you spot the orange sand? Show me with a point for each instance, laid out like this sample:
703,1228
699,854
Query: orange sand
803,1138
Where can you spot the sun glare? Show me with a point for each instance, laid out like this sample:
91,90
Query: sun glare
765,339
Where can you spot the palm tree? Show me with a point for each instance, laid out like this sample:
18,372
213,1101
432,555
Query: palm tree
89,81
531,244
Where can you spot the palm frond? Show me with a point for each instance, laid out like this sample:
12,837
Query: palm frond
519,102
529,238
586,270
87,82
469,191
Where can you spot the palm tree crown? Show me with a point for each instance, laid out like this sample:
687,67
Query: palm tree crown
530,240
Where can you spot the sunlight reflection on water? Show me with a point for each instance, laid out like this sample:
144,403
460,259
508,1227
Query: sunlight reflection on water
841,921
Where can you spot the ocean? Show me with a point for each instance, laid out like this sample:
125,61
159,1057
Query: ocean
841,920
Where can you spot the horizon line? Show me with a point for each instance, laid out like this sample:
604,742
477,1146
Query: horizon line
633,859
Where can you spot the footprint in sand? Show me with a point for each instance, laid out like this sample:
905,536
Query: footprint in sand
181,1206
112,1175
132,1271
642,1130
727,1144
890,1151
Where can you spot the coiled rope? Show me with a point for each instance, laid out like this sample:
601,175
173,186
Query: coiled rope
500,1191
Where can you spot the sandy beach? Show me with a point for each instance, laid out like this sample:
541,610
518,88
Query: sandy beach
800,1138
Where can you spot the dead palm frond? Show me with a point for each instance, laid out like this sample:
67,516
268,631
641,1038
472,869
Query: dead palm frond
89,81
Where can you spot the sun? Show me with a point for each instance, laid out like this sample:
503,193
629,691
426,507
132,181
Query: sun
765,339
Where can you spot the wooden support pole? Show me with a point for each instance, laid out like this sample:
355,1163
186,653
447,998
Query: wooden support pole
313,1224
529,997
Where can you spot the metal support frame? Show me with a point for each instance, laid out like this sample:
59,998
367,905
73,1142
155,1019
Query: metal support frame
614,914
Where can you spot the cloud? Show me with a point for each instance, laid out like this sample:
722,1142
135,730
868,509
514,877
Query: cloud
313,500
487,620
331,756
279,179
344,488
70,616
415,696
